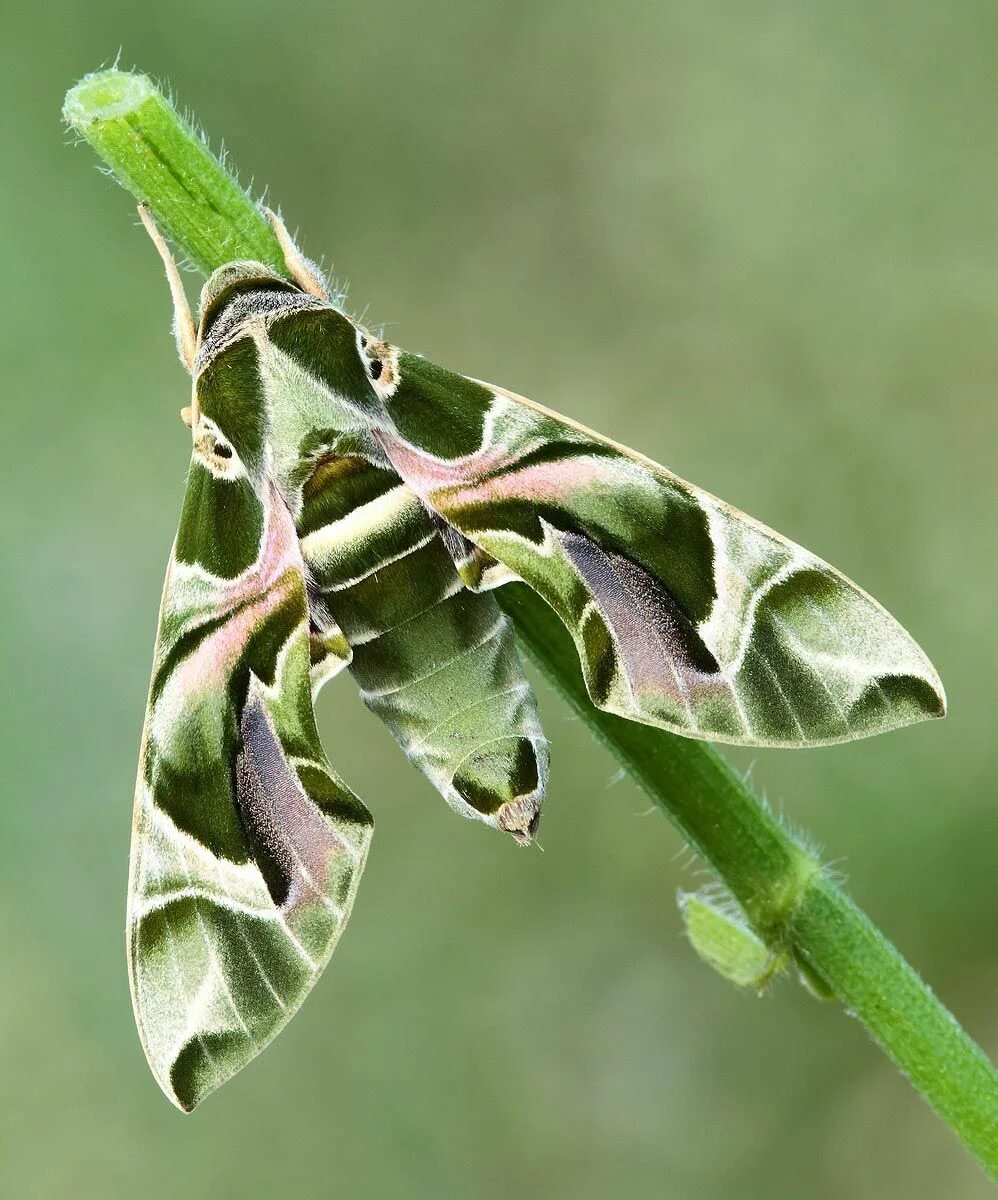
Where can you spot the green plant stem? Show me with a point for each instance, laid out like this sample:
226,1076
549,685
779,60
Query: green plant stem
789,901
154,153
787,898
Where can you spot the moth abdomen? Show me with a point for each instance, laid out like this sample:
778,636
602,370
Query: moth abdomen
459,705
436,662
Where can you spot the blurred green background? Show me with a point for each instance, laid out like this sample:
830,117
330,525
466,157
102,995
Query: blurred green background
758,242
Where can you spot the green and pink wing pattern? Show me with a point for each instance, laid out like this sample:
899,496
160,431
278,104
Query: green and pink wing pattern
686,613
247,849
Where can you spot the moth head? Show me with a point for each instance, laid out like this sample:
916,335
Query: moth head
233,280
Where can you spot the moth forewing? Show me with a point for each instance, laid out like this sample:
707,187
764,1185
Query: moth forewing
686,613
247,848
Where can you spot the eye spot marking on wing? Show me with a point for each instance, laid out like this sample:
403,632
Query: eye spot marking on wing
380,362
215,452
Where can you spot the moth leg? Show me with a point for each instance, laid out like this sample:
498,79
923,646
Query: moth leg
184,329
304,272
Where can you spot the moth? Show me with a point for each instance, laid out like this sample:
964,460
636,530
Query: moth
352,506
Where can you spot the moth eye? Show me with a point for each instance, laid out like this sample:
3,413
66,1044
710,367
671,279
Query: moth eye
375,366
222,451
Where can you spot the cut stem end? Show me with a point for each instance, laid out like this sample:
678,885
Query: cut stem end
104,95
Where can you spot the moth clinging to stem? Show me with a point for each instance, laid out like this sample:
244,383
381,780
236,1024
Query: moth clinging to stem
350,505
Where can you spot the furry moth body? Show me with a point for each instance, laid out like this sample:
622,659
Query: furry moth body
351,505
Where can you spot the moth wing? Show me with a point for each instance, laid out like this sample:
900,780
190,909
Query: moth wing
329,650
247,849
686,613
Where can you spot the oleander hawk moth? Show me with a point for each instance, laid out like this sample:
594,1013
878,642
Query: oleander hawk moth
350,505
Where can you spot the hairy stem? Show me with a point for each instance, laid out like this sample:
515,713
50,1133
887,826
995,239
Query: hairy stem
154,153
788,900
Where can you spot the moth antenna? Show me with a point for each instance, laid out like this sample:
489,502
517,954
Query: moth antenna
184,329
304,272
